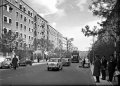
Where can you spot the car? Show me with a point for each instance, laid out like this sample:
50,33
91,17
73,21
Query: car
6,62
66,61
25,62
54,63
87,62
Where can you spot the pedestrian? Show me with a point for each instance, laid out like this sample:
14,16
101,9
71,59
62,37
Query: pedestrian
118,68
83,62
97,66
111,67
103,67
15,62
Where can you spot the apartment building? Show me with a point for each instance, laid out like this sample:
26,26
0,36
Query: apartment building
52,35
64,43
41,27
18,17
59,40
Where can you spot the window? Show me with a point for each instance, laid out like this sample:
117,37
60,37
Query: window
29,29
28,12
17,34
25,19
5,30
20,6
16,24
25,36
29,37
29,20
5,19
17,14
10,21
21,25
25,28
24,9
10,9
31,14
21,16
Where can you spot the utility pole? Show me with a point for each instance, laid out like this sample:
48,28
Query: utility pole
93,49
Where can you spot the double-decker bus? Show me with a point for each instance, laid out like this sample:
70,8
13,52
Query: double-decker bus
75,57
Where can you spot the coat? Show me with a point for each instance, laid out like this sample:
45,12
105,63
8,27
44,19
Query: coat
111,66
15,61
97,66
103,64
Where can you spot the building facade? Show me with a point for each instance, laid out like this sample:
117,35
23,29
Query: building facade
18,17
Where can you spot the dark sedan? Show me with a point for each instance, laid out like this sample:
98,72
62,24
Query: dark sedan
25,62
66,61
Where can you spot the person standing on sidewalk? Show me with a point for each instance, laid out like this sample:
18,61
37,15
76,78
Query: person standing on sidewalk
118,68
103,67
111,67
97,66
83,63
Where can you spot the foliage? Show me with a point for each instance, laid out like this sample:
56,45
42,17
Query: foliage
43,44
102,8
7,41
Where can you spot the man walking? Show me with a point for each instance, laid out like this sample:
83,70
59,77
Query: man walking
15,62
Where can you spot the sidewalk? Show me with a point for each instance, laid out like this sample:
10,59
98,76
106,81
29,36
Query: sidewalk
103,82
37,63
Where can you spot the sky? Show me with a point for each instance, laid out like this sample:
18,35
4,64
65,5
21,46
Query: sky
68,17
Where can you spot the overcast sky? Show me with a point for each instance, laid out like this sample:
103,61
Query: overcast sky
68,17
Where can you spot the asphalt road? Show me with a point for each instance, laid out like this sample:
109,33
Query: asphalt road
39,75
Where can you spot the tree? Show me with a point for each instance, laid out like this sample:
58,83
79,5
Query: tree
7,41
102,8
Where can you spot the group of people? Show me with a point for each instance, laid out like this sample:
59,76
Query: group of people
101,66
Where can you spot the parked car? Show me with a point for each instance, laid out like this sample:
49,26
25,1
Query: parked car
5,62
66,61
25,62
54,63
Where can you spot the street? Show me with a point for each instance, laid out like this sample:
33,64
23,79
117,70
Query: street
39,75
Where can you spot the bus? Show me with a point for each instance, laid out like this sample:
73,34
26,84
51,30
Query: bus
75,57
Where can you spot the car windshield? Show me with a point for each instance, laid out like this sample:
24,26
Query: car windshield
53,60
65,59
8,59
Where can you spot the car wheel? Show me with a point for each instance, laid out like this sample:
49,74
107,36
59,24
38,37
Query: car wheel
61,67
58,68
48,68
